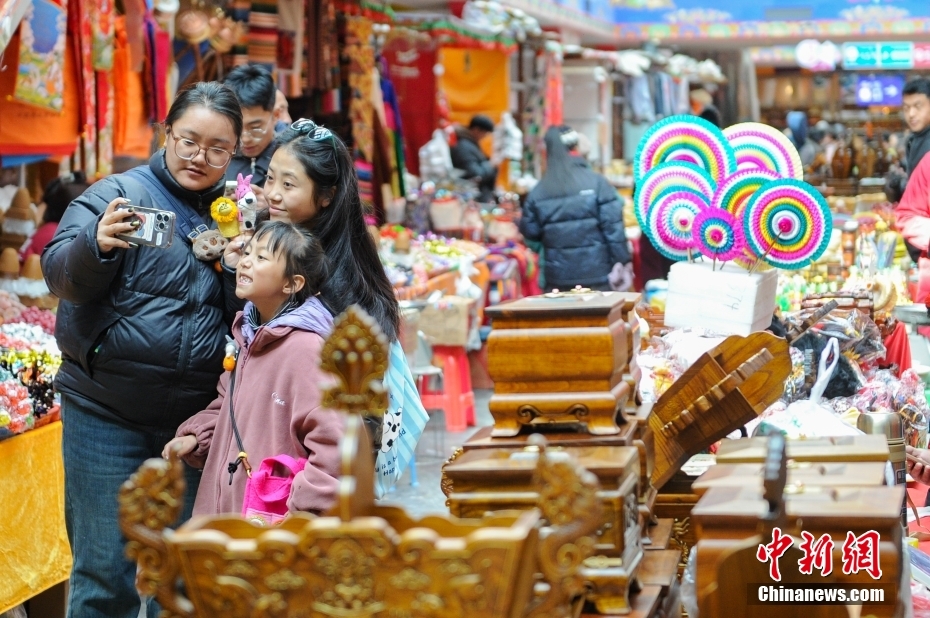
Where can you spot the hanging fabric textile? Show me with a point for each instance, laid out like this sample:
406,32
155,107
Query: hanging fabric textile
554,90
361,65
18,121
134,12
239,10
103,35
105,114
410,58
157,60
132,133
11,14
475,81
396,132
263,33
40,74
290,45
640,100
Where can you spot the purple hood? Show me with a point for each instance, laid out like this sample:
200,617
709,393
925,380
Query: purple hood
311,316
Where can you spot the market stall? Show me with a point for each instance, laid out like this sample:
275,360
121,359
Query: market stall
35,554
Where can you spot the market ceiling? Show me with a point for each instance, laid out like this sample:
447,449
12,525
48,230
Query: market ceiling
735,22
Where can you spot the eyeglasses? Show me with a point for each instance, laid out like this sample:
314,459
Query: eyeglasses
257,133
312,130
188,150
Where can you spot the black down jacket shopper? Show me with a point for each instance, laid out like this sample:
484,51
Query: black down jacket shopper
468,156
582,234
142,331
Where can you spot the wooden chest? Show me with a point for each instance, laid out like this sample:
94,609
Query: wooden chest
801,476
843,448
483,480
734,512
555,437
562,360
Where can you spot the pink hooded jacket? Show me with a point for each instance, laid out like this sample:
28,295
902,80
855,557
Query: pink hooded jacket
277,394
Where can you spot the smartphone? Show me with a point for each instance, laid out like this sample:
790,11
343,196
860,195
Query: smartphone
156,227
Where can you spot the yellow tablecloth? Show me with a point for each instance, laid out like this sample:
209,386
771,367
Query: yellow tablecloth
34,552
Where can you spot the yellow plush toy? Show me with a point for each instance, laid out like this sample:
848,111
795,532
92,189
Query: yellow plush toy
226,214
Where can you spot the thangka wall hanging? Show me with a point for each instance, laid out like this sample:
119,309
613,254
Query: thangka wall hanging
40,79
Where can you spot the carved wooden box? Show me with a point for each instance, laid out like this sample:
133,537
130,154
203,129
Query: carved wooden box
727,518
734,512
484,480
802,476
562,360
841,448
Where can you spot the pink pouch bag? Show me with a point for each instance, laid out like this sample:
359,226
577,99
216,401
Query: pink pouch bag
268,489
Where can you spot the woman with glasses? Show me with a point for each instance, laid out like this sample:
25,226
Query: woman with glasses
142,333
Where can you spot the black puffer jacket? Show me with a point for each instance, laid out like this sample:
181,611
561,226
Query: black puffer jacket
142,331
468,156
257,167
582,234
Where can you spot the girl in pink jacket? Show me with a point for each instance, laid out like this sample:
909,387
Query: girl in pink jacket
277,386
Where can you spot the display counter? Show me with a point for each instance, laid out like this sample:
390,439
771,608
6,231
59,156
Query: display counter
34,551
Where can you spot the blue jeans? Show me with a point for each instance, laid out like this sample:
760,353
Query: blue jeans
99,456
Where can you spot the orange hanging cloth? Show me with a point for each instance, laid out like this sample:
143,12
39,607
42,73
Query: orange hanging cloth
29,130
132,133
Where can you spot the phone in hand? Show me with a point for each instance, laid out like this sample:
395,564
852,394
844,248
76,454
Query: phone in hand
155,229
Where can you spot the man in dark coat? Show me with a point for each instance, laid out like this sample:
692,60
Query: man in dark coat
577,216
468,156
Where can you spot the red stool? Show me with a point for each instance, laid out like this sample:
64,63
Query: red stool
456,398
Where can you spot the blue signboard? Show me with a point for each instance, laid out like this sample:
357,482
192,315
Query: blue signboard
860,55
867,56
881,90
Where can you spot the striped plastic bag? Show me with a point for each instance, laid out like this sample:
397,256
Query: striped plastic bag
404,422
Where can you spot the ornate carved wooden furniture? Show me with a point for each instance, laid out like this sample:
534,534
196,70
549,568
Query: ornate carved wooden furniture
728,520
725,388
563,359
481,481
363,560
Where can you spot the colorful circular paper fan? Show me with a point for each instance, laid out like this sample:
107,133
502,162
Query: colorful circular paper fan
734,192
687,139
718,234
672,176
670,222
788,222
759,146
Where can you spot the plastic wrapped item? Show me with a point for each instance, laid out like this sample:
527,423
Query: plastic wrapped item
859,337
794,385
810,418
436,158
660,369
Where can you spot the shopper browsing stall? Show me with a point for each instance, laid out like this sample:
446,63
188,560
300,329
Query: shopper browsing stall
55,199
276,388
141,331
577,215
468,156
